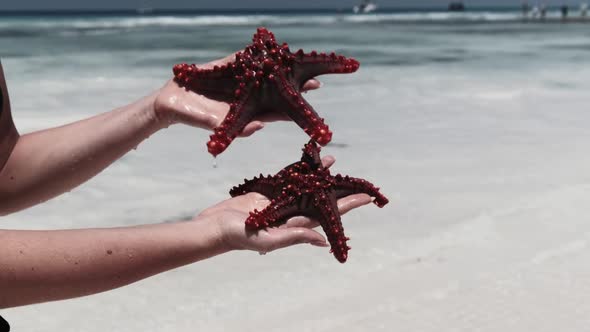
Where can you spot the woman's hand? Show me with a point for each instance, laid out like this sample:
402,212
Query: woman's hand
175,104
231,214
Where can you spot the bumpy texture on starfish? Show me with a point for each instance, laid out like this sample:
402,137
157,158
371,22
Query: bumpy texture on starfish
306,188
265,77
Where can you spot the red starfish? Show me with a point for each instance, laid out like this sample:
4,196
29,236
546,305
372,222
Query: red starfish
306,188
265,77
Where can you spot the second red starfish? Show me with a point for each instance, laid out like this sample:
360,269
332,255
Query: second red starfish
265,77
306,188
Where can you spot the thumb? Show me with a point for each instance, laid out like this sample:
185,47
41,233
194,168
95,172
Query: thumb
219,62
251,128
287,237
312,84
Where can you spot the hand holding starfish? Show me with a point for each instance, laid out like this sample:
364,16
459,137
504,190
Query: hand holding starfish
231,214
264,78
175,104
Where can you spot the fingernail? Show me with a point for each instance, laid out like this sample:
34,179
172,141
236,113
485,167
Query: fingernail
319,244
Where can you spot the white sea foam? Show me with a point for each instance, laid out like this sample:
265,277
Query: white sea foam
275,20
164,21
435,17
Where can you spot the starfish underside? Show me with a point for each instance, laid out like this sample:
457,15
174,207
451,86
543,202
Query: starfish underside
265,77
306,188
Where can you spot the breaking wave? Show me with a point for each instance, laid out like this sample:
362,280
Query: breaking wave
130,22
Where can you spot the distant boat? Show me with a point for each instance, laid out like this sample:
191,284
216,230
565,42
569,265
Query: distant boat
456,6
583,9
144,11
365,7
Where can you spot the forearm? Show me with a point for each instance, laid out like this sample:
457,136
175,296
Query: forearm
47,163
41,266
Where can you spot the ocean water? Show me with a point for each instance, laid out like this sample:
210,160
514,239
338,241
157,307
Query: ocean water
475,125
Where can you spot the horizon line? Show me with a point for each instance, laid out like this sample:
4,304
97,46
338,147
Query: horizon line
152,11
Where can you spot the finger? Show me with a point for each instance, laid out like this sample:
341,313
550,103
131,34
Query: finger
345,205
197,110
352,202
251,128
312,84
228,59
299,221
282,238
219,62
328,161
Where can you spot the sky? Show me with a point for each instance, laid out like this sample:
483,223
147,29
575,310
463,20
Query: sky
229,4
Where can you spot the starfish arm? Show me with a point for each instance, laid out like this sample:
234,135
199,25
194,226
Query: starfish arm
310,65
218,83
263,36
265,185
310,161
345,186
269,67
280,209
311,155
329,218
239,115
292,103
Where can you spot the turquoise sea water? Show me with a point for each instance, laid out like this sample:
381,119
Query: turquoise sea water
389,39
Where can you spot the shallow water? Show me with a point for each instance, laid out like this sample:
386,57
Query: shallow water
475,126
